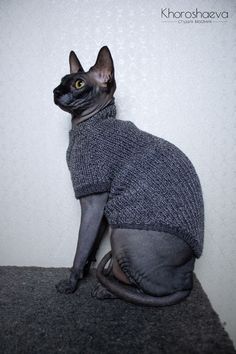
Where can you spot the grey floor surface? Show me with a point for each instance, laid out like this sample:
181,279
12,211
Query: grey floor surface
34,318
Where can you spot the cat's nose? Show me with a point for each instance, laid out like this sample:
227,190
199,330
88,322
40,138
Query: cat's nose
56,91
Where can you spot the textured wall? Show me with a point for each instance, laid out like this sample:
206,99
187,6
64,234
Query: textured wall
174,80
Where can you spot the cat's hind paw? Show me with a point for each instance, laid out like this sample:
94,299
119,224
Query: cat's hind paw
101,293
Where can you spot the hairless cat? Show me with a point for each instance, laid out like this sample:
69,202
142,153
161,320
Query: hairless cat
141,188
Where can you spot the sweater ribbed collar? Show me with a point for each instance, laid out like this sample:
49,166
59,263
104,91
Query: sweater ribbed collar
107,112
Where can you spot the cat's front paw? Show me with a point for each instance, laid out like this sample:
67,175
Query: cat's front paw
66,286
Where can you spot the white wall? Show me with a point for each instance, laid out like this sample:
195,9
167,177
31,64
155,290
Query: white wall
174,80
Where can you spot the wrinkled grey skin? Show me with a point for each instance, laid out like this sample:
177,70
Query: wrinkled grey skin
158,266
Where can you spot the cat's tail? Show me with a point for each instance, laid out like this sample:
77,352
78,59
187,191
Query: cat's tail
131,294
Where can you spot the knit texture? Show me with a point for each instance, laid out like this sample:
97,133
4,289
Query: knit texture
152,184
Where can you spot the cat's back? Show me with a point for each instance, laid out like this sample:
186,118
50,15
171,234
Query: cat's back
124,134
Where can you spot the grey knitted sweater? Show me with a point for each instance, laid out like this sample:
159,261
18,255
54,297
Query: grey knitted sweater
152,185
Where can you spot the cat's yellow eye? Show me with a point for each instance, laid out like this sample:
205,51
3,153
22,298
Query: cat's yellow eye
79,84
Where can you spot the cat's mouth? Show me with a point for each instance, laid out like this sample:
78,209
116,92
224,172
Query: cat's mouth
62,101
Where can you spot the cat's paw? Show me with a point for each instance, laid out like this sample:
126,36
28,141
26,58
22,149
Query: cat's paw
101,293
65,286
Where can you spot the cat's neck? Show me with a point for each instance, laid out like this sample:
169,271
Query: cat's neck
77,119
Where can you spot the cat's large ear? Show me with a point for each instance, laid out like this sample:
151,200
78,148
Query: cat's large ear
104,65
75,65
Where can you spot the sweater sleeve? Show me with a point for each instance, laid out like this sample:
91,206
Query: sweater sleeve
88,166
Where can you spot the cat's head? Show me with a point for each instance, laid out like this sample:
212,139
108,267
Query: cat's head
84,93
